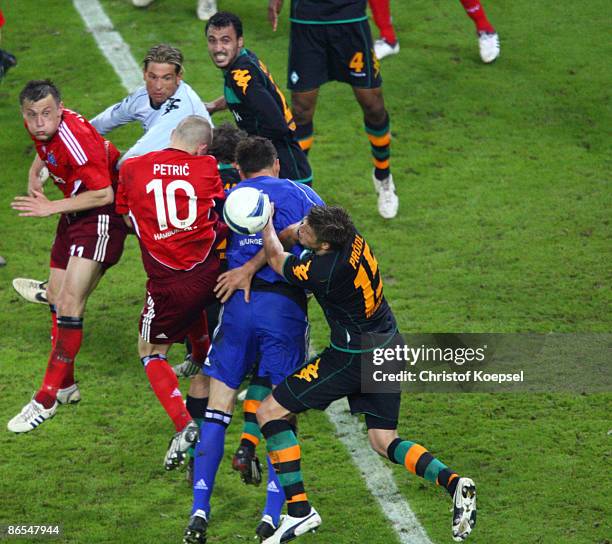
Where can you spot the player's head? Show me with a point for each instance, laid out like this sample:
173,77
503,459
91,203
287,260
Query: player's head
193,135
226,138
326,228
224,37
41,107
257,156
162,70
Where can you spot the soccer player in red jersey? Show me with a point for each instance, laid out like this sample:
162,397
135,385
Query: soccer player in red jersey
89,237
169,197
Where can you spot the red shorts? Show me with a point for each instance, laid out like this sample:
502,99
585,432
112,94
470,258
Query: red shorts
173,305
95,236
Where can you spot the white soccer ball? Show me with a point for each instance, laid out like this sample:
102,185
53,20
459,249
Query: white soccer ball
246,210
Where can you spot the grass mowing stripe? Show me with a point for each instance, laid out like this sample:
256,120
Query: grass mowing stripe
378,478
110,43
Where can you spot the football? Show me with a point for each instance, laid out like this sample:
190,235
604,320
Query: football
246,210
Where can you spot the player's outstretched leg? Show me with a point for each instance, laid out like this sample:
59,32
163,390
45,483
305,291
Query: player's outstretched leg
388,43
419,461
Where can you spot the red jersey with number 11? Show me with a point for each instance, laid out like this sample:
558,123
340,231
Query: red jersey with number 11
170,196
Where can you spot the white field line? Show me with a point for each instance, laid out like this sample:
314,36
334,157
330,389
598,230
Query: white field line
377,476
110,43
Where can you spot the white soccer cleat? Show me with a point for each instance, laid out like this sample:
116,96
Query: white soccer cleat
179,444
290,527
187,368
464,509
488,44
141,3
206,9
30,417
31,290
69,395
387,199
382,48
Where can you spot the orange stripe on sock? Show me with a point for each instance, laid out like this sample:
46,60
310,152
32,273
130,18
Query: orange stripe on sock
284,456
250,438
298,498
251,405
381,164
450,479
412,457
380,141
306,144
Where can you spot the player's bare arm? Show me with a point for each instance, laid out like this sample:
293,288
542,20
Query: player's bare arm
275,252
39,205
241,277
274,9
219,104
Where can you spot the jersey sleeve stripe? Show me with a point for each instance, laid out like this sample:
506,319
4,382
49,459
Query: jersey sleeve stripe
72,144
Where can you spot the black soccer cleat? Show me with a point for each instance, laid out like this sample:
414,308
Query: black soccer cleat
196,530
266,528
247,463
7,60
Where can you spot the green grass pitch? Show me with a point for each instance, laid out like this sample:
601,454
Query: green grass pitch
504,186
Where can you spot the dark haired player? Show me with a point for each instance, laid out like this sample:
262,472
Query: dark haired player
330,40
344,276
258,105
89,237
266,324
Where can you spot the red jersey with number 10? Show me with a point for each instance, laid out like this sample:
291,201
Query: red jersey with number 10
77,157
170,196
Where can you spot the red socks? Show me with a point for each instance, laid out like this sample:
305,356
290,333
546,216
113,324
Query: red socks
475,12
165,385
381,12
60,368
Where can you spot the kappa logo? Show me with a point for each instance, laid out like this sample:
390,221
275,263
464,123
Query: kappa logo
200,484
242,78
309,372
171,105
272,487
301,271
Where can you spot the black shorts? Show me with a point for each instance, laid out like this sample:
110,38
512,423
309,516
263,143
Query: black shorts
335,52
293,161
330,376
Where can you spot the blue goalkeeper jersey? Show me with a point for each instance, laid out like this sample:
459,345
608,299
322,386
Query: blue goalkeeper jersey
292,202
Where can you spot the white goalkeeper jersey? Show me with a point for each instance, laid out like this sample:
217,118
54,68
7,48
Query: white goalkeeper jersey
158,123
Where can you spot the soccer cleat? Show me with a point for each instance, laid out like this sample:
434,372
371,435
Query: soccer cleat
179,444
30,417
387,199
31,290
7,60
196,530
247,463
382,48
488,44
141,3
206,9
266,528
69,395
290,528
464,509
187,368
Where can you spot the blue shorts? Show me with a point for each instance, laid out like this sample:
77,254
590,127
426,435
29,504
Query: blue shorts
272,329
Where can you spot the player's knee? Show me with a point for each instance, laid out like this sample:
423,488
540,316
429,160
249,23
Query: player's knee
268,411
67,303
303,110
375,113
